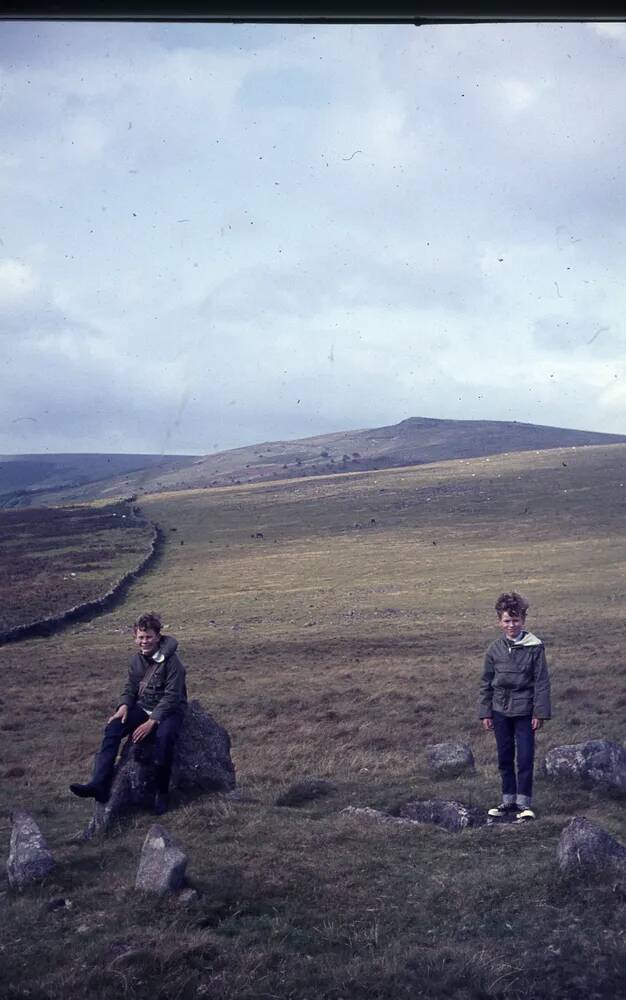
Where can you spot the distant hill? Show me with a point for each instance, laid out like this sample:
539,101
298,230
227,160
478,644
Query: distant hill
24,476
411,442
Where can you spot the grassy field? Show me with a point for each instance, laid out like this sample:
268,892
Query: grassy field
338,650
55,558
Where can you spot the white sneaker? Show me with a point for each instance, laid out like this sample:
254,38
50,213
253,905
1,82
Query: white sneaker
505,810
524,814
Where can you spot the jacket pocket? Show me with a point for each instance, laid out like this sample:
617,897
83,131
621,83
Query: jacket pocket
509,677
522,703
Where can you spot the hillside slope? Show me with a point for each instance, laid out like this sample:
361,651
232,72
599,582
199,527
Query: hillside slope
24,477
414,441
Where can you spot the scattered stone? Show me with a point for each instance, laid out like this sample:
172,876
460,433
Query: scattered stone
59,903
162,863
202,763
450,815
366,812
586,846
187,896
448,760
30,858
305,791
596,762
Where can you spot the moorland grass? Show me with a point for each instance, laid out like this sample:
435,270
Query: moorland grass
338,651
56,558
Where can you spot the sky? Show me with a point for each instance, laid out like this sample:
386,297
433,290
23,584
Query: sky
219,235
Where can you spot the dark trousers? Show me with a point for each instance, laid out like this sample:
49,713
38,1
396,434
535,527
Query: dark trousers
163,740
515,733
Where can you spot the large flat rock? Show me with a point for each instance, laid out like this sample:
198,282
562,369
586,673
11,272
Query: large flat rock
449,760
585,846
202,763
448,814
596,762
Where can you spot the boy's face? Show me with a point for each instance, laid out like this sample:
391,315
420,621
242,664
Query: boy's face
511,624
147,640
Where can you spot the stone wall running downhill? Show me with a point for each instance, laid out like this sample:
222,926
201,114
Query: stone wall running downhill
90,609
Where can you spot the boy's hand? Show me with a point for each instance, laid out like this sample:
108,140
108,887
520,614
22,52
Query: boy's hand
143,730
487,724
536,724
121,713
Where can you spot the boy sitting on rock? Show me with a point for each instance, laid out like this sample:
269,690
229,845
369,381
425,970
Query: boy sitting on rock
514,702
153,703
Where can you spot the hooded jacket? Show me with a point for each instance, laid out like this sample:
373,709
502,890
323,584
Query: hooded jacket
165,691
515,679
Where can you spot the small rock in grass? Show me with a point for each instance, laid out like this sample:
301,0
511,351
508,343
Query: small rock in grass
586,846
162,863
595,762
305,791
450,815
367,813
30,858
187,896
447,760
59,903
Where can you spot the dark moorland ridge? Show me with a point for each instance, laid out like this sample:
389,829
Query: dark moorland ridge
23,477
414,441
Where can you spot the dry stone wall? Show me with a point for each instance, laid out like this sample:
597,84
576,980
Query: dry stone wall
85,612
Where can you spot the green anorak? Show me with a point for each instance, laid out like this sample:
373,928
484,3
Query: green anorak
165,691
515,678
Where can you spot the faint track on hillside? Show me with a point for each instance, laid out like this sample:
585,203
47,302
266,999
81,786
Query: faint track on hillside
116,595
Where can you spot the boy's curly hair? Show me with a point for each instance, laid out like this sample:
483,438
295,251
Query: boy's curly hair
513,603
148,621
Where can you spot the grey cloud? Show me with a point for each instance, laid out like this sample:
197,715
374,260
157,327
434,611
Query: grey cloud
306,271
345,279
587,336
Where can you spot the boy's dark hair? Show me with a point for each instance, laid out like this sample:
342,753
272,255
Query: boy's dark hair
513,603
148,621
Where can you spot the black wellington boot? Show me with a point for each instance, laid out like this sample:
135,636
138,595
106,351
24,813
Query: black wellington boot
92,790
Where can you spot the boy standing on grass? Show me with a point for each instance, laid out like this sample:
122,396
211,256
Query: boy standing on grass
514,702
152,706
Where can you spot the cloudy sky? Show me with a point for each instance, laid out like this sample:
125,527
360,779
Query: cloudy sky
215,235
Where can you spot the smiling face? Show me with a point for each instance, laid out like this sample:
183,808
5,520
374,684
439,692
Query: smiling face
147,640
511,624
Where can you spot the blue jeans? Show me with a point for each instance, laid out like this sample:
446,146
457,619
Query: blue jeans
515,733
163,739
